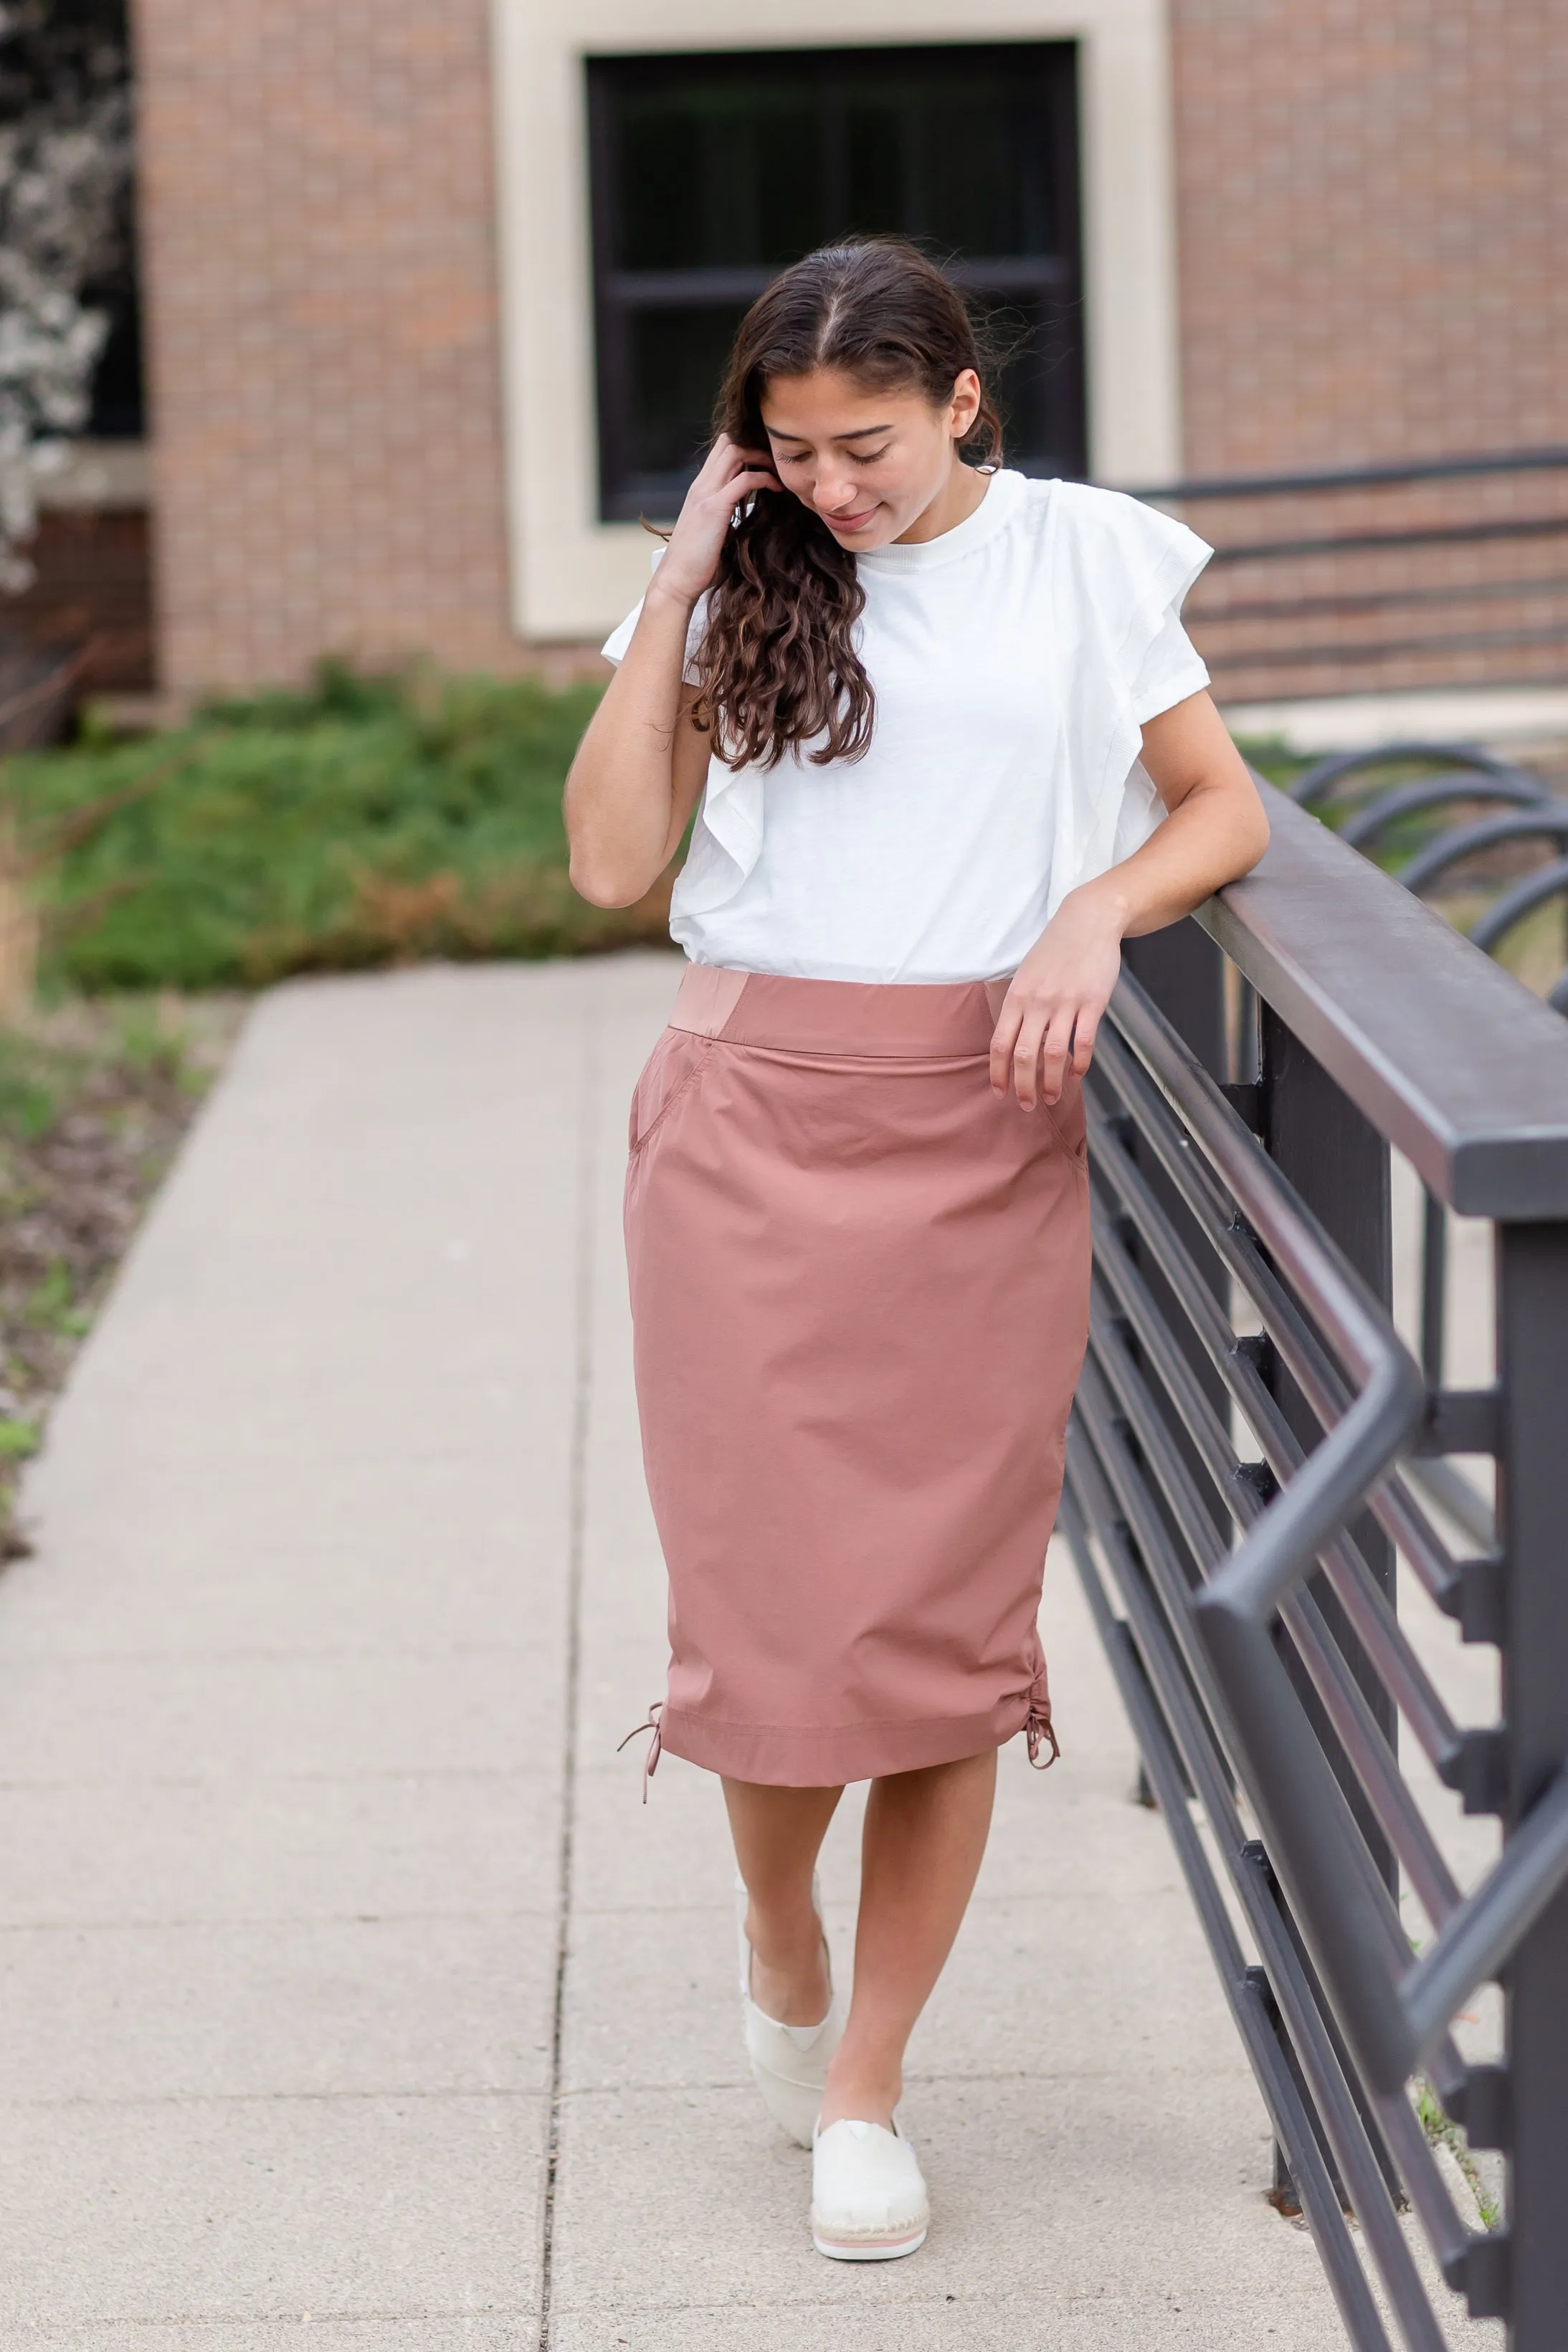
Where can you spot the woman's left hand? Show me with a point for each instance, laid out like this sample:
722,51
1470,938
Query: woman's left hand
1214,830
1051,1012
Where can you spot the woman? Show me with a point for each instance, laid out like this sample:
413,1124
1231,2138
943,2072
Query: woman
952,746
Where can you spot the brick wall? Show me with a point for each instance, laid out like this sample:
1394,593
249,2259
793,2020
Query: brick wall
1373,215
318,211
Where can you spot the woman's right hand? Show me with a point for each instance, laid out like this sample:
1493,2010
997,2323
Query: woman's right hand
729,475
642,762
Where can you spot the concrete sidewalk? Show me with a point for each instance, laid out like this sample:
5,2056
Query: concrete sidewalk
347,1981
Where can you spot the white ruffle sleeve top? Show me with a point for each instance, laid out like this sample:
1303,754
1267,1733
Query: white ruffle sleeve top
1014,660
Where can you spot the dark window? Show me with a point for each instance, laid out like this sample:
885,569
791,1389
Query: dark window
710,174
118,412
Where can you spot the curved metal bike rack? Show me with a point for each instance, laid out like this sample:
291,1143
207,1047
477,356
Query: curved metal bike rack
1404,801
1315,783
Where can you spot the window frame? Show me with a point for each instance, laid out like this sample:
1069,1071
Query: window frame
1054,279
572,577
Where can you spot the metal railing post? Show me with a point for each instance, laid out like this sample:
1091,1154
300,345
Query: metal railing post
1338,1163
1184,972
1533,1493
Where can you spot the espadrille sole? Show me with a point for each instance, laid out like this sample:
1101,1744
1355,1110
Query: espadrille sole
867,2250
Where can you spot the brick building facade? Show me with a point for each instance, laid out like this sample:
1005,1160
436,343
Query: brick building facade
347,212
1371,207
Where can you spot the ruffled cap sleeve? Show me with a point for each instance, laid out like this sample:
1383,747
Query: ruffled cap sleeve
1123,570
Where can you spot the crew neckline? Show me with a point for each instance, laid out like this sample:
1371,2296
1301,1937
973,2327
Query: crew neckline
992,515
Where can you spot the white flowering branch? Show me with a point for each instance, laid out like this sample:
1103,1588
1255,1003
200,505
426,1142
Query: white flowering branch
64,163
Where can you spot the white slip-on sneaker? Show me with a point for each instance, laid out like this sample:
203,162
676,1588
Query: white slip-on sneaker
788,2062
868,2194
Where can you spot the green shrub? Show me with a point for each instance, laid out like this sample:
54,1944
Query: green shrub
369,821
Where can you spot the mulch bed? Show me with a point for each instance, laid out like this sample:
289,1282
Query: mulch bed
95,1096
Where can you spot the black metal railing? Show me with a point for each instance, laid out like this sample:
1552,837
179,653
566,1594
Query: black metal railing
1238,1501
1447,571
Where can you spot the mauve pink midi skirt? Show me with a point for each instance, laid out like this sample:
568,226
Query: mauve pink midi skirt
860,1295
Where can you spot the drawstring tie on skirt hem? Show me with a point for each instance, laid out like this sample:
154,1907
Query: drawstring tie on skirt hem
1036,1730
655,1746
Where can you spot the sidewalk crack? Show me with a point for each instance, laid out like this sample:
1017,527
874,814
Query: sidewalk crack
586,1175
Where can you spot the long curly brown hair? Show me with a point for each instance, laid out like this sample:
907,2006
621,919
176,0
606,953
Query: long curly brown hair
777,667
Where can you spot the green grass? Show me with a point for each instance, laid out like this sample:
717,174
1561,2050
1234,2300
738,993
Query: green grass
1443,2132
368,821
29,1090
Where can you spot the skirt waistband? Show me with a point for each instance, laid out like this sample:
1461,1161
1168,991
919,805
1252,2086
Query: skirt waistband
923,1021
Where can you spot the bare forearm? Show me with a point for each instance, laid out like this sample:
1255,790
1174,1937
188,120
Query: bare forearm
1213,835
1214,829
621,794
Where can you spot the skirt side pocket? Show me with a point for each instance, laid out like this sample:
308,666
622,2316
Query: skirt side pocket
674,1064
1068,1122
